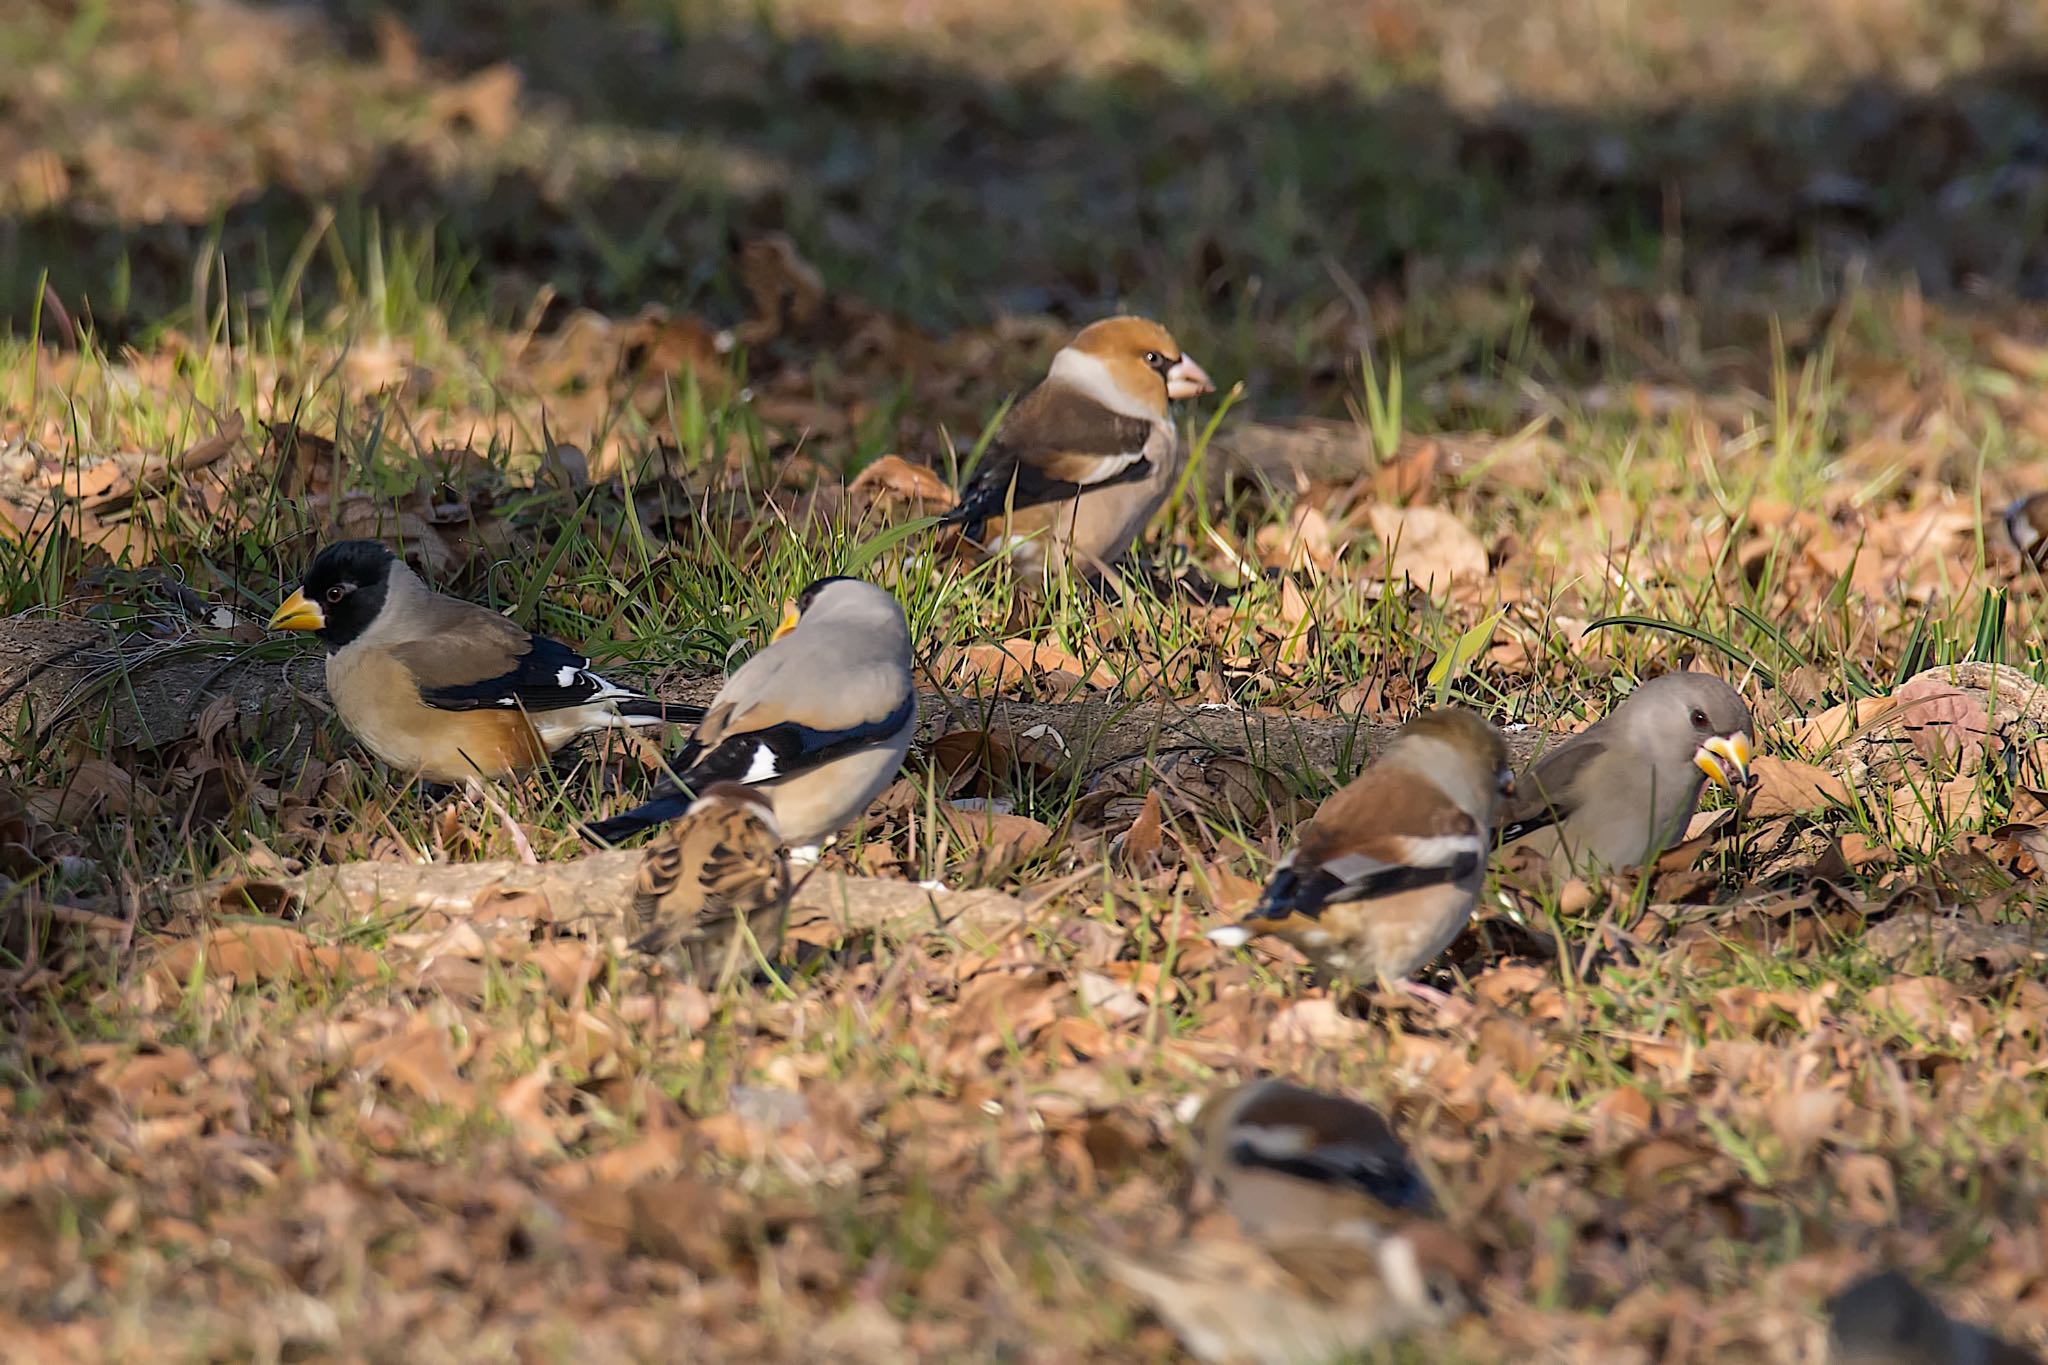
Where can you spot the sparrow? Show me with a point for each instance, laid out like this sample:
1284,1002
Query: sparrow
443,688
2026,522
714,870
1620,792
1081,463
1299,1301
1385,874
1295,1162
819,721
1885,1319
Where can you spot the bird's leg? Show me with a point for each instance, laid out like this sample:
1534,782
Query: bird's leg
1448,1009
481,791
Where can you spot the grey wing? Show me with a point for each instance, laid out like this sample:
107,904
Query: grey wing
1549,792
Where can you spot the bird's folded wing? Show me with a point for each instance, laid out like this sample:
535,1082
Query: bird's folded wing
455,674
1550,792
768,753
1055,445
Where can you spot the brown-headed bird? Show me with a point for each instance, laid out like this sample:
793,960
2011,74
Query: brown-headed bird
1386,873
1886,1319
1621,791
1082,462
818,722
1290,1161
708,875
443,688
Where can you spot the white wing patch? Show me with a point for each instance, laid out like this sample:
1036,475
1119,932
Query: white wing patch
763,768
1439,850
1109,466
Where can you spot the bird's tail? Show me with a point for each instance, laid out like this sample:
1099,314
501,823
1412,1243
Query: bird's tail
624,826
649,711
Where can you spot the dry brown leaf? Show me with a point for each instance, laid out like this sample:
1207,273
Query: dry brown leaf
895,481
1427,545
1788,786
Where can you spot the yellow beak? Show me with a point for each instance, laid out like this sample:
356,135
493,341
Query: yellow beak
1725,760
789,620
297,613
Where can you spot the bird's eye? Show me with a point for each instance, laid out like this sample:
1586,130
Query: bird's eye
337,592
1154,360
1699,719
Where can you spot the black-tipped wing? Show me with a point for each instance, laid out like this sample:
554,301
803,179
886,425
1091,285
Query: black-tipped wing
1307,892
752,758
1547,793
549,676
1055,444
778,751
1382,1172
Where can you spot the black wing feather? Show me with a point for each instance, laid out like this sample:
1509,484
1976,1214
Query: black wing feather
1307,893
550,676
1389,1179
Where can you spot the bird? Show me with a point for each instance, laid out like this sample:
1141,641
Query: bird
819,720
1083,461
1385,874
1302,1300
718,868
1293,1161
1886,1319
446,689
2026,522
1621,791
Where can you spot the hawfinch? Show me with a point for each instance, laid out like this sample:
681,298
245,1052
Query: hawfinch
717,868
1300,1301
1295,1162
444,688
1385,875
1618,793
1082,462
1886,1319
2026,521
819,721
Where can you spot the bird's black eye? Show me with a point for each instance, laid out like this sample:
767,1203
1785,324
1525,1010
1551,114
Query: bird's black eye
339,591
1699,719
1156,361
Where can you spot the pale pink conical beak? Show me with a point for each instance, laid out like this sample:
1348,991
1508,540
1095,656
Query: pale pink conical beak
1187,379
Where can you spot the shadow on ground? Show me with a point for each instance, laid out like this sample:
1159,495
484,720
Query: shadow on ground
630,156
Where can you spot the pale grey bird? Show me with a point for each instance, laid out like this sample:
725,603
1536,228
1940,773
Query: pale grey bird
1620,792
1885,1319
820,720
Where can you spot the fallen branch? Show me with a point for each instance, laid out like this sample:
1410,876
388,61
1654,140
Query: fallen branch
597,886
151,693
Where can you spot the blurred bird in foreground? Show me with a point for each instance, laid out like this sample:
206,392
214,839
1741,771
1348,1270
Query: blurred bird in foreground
1300,1300
1293,1161
1885,1319
711,880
